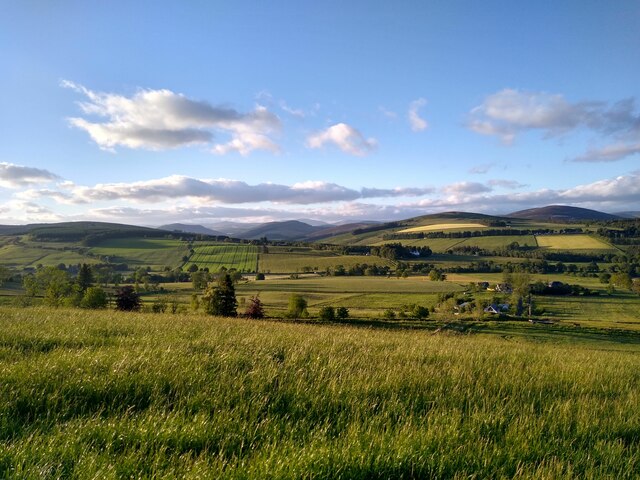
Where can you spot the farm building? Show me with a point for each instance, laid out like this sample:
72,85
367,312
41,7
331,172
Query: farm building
497,308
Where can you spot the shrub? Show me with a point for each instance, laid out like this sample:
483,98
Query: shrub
342,313
328,314
420,312
297,307
389,314
259,276
94,297
127,299
255,308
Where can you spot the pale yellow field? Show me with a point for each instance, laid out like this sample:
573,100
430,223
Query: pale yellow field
571,242
441,226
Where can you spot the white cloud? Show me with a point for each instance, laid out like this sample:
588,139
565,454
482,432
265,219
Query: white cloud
466,188
19,211
509,112
345,137
17,176
609,153
162,119
417,123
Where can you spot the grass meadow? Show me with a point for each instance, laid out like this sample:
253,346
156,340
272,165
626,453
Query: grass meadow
297,262
32,255
116,395
152,252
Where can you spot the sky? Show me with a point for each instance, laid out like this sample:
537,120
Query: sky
158,112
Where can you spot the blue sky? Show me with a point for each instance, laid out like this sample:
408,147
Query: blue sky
155,112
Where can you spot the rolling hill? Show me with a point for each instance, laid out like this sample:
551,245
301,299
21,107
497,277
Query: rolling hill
188,228
562,213
288,230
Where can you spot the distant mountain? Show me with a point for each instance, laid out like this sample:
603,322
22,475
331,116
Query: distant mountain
289,230
314,223
334,230
233,229
628,214
562,213
188,228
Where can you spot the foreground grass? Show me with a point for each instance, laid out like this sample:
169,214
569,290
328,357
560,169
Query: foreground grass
110,395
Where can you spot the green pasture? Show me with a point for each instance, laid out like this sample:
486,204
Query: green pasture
441,245
620,310
364,296
314,260
152,252
242,257
114,395
21,256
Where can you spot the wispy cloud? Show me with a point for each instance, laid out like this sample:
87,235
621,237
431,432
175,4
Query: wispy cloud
17,176
510,112
609,153
345,137
388,113
480,169
510,184
417,123
162,119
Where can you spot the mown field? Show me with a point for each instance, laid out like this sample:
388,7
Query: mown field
572,242
108,395
442,226
242,257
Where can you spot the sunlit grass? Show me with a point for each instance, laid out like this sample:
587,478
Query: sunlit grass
113,395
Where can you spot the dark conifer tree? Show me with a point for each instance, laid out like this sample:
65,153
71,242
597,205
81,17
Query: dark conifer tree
220,299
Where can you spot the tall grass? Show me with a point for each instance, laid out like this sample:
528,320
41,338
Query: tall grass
113,395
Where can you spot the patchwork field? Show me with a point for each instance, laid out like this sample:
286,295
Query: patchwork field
116,395
242,257
571,242
156,253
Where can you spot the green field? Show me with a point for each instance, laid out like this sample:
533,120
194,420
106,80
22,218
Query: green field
22,256
364,296
152,252
109,395
441,245
316,261
572,242
242,257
